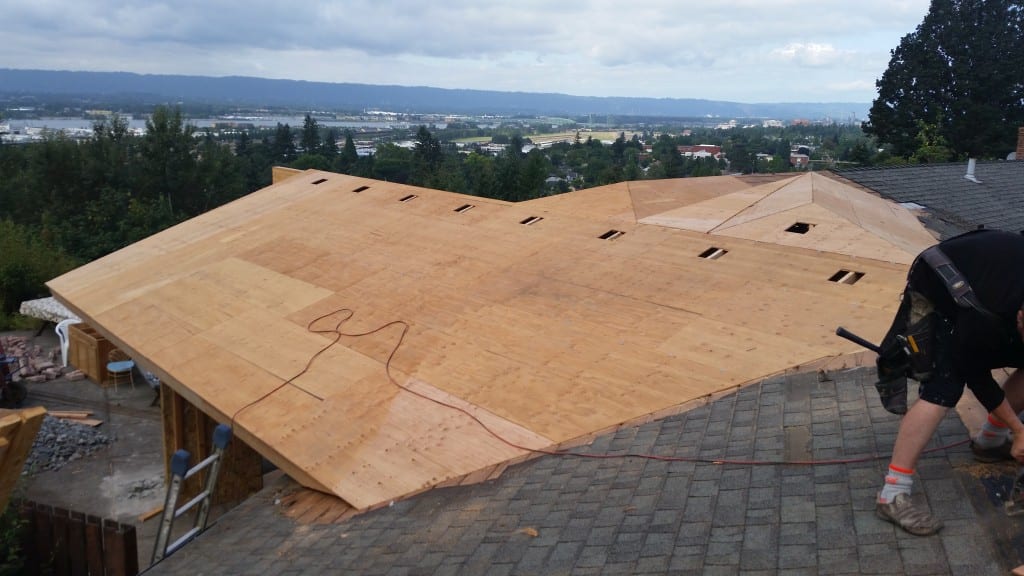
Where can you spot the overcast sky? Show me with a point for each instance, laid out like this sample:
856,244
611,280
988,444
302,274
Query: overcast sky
735,50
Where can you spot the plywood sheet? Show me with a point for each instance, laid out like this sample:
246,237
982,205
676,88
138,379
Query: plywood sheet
373,348
842,220
709,214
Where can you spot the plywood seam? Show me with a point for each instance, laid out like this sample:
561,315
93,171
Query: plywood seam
776,187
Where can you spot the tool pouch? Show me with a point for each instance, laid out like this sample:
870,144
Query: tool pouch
920,344
893,362
892,381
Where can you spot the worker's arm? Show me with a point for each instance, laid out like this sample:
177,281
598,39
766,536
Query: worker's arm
1004,412
992,397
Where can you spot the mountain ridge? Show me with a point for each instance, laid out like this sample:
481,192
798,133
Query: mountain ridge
253,91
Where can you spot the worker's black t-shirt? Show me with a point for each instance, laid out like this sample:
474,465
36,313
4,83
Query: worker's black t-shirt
993,263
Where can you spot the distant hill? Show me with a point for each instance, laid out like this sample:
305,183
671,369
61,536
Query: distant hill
248,91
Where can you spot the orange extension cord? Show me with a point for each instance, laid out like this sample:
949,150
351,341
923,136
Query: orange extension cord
338,334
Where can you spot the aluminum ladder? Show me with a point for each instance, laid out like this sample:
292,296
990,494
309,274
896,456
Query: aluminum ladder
179,473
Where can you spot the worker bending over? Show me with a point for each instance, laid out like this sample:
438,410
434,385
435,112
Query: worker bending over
960,318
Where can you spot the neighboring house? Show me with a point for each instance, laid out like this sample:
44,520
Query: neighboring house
994,198
701,151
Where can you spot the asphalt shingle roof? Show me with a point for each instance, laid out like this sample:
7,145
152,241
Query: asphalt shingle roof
996,202
624,515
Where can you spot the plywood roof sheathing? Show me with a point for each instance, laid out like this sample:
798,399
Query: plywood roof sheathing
483,338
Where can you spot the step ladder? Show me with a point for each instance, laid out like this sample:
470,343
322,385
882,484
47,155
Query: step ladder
179,473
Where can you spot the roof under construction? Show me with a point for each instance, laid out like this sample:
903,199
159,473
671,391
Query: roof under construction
481,330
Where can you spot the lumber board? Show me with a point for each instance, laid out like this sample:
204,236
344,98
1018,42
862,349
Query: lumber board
72,414
18,429
474,339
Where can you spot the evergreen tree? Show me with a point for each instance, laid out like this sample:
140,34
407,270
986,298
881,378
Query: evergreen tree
310,140
167,159
392,163
282,146
329,147
480,178
426,157
346,161
960,70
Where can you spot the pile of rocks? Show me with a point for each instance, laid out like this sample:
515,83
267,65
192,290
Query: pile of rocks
36,364
61,441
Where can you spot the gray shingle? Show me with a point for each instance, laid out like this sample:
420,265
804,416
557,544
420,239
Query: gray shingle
958,204
631,516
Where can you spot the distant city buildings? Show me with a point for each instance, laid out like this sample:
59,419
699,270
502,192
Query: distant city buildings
700,151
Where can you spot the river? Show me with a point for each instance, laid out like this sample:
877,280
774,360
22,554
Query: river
75,124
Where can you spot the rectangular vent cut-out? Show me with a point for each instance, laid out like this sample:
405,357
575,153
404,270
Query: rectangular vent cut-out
800,228
320,181
531,220
361,188
611,235
714,253
846,277
408,198
464,208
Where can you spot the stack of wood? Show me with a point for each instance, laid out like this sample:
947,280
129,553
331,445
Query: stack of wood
79,416
18,430
36,364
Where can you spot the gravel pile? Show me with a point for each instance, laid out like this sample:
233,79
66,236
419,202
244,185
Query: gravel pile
61,441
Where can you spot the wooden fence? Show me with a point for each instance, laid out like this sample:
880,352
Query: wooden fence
60,542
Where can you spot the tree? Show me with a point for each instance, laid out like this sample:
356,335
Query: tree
392,163
426,157
25,263
219,177
480,177
282,146
961,71
349,156
310,140
329,147
670,162
932,146
533,174
167,158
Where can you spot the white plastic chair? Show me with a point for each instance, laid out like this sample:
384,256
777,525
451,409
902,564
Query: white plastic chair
62,334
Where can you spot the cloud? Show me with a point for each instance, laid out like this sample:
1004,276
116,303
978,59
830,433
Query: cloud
730,49
809,54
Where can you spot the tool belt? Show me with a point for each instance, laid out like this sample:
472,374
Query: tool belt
955,282
921,332
908,349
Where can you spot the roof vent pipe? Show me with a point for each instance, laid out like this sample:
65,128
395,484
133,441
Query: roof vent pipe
970,171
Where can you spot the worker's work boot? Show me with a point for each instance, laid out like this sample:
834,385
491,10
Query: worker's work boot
994,454
913,518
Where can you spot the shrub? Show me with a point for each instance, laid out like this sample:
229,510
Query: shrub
26,263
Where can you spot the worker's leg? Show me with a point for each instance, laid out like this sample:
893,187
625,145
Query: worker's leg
894,502
916,430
